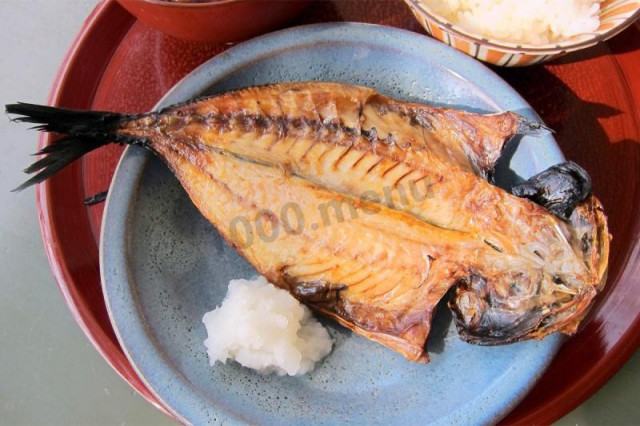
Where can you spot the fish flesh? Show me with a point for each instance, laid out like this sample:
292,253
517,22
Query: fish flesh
371,210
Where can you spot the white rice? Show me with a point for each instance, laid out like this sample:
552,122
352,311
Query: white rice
264,328
521,21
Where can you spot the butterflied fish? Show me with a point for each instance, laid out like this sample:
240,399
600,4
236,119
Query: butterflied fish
370,210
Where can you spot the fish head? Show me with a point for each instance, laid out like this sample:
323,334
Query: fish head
514,307
521,302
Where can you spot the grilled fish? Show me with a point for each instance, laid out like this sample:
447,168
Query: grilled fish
370,210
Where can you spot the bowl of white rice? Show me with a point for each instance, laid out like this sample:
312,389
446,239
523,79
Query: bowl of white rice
523,32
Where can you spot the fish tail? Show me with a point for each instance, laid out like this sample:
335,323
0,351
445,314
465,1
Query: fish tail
84,130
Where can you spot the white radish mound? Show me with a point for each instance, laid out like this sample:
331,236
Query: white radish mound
265,328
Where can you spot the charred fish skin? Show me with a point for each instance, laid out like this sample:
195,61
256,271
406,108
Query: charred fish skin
519,272
559,189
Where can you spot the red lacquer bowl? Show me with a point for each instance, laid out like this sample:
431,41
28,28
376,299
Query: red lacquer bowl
216,21
590,98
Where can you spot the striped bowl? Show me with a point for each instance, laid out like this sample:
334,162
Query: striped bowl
615,16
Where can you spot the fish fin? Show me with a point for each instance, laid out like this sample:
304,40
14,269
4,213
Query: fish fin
559,189
531,127
62,120
72,148
85,130
95,199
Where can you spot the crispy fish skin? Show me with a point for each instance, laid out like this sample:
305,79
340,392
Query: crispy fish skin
517,270
353,141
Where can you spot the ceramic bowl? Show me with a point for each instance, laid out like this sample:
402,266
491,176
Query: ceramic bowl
216,21
615,16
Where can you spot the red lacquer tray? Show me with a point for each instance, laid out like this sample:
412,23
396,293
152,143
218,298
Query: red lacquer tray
590,98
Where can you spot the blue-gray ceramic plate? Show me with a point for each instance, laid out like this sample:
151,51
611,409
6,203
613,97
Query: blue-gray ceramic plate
164,265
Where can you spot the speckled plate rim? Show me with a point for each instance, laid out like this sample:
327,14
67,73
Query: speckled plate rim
168,385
